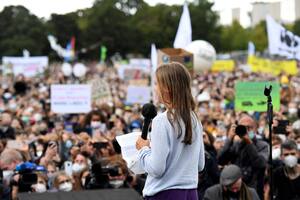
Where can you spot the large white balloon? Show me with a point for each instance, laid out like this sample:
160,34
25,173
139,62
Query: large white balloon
66,69
204,54
79,70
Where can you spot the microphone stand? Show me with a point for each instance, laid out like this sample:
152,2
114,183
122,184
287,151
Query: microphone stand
267,93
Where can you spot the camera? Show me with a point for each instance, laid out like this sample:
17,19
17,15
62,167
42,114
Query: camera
28,175
241,130
99,176
281,128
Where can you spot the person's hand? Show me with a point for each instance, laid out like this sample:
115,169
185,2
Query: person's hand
231,132
247,139
51,150
140,143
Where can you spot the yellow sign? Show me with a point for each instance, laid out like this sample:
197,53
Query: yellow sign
272,66
223,65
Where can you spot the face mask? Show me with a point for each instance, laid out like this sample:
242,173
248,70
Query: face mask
260,130
290,161
292,111
116,183
68,144
276,153
251,135
12,106
25,119
37,117
95,124
66,187
39,153
40,188
76,168
298,146
7,174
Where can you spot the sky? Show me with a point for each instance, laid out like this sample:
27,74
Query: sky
44,8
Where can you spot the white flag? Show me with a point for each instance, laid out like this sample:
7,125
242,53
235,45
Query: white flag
184,32
56,47
281,41
153,69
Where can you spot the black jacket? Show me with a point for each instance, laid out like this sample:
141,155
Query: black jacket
7,133
251,158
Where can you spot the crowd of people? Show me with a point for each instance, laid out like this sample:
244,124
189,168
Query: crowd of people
42,151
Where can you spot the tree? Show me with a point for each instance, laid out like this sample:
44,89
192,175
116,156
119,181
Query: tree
21,30
296,28
259,36
234,37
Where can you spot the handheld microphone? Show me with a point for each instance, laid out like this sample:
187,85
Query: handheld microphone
149,112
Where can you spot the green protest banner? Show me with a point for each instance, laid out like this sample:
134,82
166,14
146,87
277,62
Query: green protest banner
249,96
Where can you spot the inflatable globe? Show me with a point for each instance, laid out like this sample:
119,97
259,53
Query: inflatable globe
67,69
79,70
204,54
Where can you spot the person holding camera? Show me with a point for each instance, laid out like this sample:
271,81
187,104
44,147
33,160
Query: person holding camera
286,179
9,159
247,152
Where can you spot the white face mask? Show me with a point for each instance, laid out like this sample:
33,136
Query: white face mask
7,174
39,153
293,111
276,153
95,124
66,187
40,188
76,168
290,161
298,146
116,183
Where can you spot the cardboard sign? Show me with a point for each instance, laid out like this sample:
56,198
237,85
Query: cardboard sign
100,91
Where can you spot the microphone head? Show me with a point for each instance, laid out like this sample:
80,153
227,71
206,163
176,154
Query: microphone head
149,111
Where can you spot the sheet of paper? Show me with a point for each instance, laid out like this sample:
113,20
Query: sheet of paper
129,151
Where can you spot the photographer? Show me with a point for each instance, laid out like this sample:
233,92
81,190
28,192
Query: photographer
9,159
248,153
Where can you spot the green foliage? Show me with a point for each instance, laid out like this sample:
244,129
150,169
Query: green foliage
21,30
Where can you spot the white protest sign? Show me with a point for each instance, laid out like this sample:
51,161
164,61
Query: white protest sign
129,151
141,63
29,66
138,94
71,98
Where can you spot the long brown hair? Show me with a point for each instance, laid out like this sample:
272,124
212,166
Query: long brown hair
175,79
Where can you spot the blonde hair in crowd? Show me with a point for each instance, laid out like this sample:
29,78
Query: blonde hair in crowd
174,82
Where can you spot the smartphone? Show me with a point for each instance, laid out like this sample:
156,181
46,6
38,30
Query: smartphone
68,167
281,128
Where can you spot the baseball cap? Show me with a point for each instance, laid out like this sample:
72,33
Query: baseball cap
230,174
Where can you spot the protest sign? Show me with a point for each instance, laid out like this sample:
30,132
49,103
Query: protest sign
272,66
70,98
100,91
249,96
223,65
138,94
28,66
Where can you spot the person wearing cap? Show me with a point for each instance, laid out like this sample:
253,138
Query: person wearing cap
231,187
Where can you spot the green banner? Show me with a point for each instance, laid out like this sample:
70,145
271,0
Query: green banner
249,96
